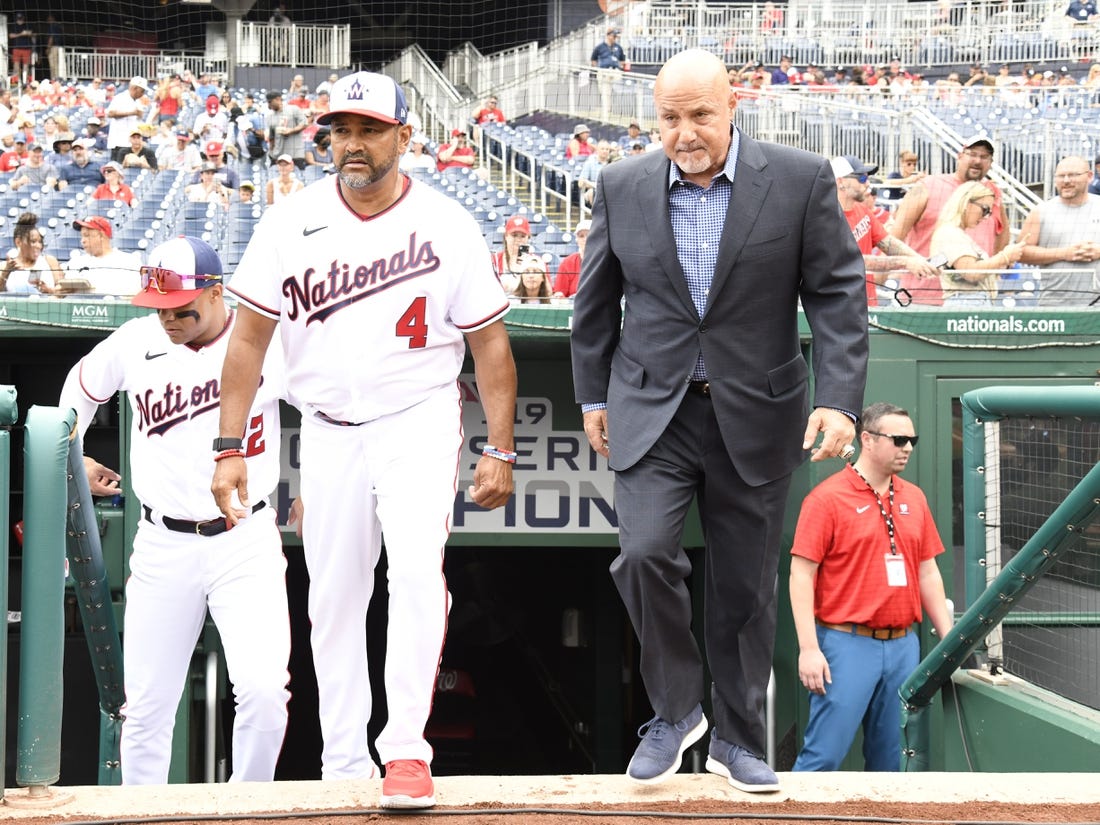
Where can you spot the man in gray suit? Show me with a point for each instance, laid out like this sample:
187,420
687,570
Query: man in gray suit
697,387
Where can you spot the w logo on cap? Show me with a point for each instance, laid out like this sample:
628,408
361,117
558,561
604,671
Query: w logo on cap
355,90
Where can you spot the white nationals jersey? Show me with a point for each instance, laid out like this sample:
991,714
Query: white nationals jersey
371,311
174,393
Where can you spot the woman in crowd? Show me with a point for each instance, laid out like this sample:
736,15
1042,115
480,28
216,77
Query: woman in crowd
508,262
321,152
114,188
969,276
28,270
286,184
534,282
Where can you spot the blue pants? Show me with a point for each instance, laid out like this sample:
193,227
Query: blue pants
867,674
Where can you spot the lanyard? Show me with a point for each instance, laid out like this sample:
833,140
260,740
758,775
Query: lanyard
887,515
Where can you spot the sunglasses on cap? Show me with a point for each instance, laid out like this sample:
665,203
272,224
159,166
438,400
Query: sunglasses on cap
899,440
169,280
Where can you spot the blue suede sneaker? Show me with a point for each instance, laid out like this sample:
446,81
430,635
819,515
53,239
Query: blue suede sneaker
661,750
744,770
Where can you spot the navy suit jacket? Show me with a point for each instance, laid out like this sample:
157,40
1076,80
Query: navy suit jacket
784,240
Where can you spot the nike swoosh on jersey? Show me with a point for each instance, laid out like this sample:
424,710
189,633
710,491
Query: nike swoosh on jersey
863,509
149,356
307,231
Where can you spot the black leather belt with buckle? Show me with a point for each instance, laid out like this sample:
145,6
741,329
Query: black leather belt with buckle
210,527
699,388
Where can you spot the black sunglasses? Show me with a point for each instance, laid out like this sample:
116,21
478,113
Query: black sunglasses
986,210
899,440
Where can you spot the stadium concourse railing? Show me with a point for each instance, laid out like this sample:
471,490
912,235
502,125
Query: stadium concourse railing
1065,541
252,44
9,415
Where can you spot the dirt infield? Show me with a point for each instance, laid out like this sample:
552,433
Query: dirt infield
573,800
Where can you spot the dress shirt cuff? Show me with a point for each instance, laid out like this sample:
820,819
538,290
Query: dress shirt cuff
851,415
598,405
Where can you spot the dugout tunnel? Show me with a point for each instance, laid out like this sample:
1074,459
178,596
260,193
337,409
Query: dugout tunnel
540,670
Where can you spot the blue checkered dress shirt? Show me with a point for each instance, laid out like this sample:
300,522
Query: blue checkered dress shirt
698,215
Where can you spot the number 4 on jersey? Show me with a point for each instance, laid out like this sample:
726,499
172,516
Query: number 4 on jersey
413,324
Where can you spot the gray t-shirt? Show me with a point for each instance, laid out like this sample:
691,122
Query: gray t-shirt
1069,283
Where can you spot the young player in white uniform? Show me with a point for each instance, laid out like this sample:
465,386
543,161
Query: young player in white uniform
185,559
374,281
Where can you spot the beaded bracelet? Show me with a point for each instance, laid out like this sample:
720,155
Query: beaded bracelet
229,454
501,455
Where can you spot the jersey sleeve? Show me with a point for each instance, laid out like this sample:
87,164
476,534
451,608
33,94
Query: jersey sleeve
815,529
97,376
255,282
477,297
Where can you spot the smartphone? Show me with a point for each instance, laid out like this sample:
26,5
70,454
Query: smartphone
525,250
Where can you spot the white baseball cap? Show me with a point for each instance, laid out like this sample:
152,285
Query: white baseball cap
368,94
138,80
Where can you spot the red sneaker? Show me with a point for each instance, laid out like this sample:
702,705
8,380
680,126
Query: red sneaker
408,784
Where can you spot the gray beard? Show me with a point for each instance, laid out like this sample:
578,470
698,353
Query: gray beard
361,180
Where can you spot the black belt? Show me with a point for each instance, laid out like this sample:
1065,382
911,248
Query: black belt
210,527
699,388
328,419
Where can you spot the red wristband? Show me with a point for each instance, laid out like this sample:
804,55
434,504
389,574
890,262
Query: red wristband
229,454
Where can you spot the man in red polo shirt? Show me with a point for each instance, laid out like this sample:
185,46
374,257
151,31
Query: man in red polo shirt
852,190
863,564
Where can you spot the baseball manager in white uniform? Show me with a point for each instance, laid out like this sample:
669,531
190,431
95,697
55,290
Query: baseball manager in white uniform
186,556
376,283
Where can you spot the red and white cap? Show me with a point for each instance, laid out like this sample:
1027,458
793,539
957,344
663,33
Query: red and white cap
95,222
368,94
177,273
517,223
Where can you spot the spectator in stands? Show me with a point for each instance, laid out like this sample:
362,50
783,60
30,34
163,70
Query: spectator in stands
208,189
251,137
28,270
93,129
854,611
286,184
21,47
284,125
609,54
456,154
508,262
36,172
300,98
7,115
317,107
125,111
169,98
654,144
225,175
418,156
110,271
182,155
633,135
326,85
579,145
140,156
247,192
1081,11
534,282
320,154
212,123
781,76
61,155
852,191
969,276
279,16
50,130
569,270
55,41
590,172
1063,235
771,19
15,152
916,216
905,175
490,112
82,171
205,88
1094,184
114,188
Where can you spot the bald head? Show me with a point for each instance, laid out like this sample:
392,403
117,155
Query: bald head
1071,179
695,106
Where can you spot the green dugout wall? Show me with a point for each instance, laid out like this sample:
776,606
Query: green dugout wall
552,544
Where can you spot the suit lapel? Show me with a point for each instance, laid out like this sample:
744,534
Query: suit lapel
652,194
750,188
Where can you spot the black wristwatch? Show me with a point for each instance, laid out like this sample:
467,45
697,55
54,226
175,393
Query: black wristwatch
228,444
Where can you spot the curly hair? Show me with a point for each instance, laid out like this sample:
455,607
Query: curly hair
26,223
